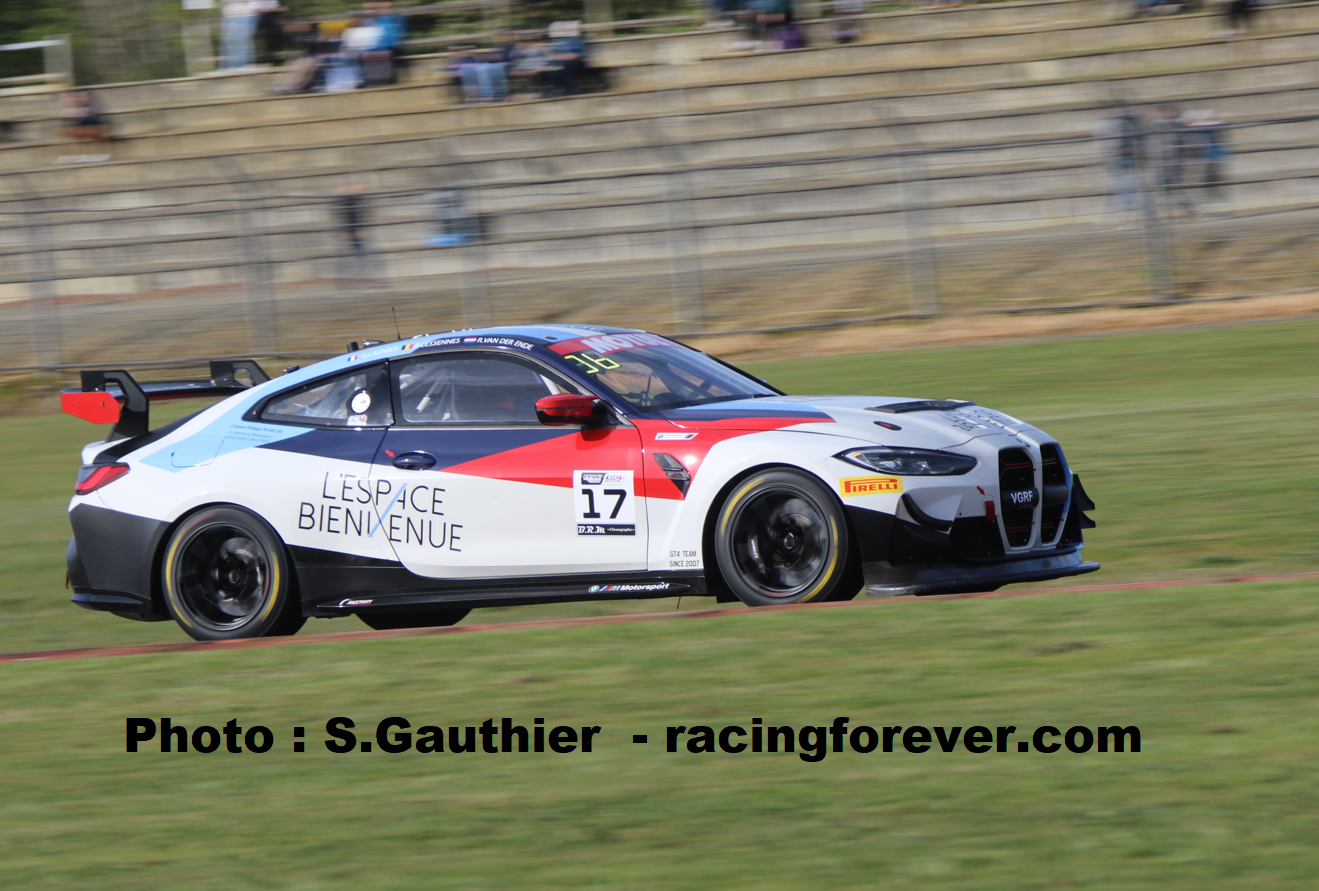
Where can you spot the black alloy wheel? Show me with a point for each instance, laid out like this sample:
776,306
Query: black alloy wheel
388,620
781,537
225,576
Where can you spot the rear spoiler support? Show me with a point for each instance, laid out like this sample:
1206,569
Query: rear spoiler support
127,405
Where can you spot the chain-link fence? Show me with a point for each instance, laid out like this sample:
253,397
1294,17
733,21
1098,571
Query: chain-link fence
669,234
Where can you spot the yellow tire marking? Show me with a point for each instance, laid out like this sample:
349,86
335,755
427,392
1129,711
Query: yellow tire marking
180,613
274,588
833,561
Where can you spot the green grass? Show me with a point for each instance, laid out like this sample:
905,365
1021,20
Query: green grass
1198,447
1220,679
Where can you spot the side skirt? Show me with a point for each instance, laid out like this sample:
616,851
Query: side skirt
335,584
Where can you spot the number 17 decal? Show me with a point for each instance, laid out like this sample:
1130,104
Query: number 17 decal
603,501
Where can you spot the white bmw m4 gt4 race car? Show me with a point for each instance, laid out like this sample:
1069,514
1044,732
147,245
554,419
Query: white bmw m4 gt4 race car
409,482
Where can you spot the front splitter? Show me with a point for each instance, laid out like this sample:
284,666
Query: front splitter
886,580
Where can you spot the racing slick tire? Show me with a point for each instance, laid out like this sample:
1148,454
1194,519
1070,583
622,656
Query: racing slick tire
226,576
413,618
781,537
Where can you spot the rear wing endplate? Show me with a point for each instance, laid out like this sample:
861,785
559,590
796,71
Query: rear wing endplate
113,396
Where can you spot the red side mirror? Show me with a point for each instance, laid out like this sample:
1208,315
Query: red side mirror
563,409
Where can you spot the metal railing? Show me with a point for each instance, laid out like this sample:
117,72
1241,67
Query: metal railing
57,63
653,235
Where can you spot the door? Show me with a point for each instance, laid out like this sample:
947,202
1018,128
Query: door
472,485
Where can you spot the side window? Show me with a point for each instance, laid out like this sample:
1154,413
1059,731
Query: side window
473,388
359,398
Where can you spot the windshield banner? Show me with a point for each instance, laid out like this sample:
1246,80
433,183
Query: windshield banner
603,344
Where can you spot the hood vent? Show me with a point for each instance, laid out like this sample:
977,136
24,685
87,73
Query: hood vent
899,408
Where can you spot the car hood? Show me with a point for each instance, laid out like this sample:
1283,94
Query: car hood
890,420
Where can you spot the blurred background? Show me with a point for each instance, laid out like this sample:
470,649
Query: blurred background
186,178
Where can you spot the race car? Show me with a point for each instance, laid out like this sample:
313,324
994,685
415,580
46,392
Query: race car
409,482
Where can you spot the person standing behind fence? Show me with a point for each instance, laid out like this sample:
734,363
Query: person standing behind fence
352,216
239,19
1238,16
1120,133
1168,152
568,53
1207,147
82,124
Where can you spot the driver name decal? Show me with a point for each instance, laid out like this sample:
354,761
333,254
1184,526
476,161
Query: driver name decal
603,502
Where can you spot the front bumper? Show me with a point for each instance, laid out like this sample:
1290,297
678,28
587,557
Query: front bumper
930,556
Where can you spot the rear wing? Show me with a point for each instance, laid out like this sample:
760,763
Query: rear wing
113,396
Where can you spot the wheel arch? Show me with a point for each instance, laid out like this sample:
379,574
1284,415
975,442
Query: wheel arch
714,579
158,558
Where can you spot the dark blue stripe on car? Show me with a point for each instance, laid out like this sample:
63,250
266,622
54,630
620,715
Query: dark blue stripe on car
343,445
458,445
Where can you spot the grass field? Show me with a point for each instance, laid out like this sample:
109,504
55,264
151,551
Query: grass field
1199,447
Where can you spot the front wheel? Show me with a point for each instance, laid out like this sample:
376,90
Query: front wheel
781,537
225,576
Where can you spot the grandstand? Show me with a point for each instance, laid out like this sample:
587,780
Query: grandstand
944,160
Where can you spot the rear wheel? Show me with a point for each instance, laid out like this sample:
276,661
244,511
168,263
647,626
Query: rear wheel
781,537
413,618
225,576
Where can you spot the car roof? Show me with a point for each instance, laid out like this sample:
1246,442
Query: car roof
539,334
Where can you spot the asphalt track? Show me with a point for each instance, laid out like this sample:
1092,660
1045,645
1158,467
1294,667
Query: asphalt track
348,636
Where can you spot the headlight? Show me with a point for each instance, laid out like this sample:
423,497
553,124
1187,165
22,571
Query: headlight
909,462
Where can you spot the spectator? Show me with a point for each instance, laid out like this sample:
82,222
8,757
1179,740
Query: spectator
1238,13
568,55
846,27
1121,138
346,71
722,12
239,19
529,62
270,31
1208,151
393,31
393,26
770,15
483,76
789,37
352,217
1168,152
302,71
81,123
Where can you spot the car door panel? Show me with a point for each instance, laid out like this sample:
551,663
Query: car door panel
501,496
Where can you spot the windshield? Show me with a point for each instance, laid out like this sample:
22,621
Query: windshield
651,373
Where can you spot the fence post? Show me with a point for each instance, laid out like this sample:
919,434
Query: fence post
918,241
262,337
44,344
679,212
1158,205
58,60
476,286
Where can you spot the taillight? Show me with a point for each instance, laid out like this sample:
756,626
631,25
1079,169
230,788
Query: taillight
93,476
